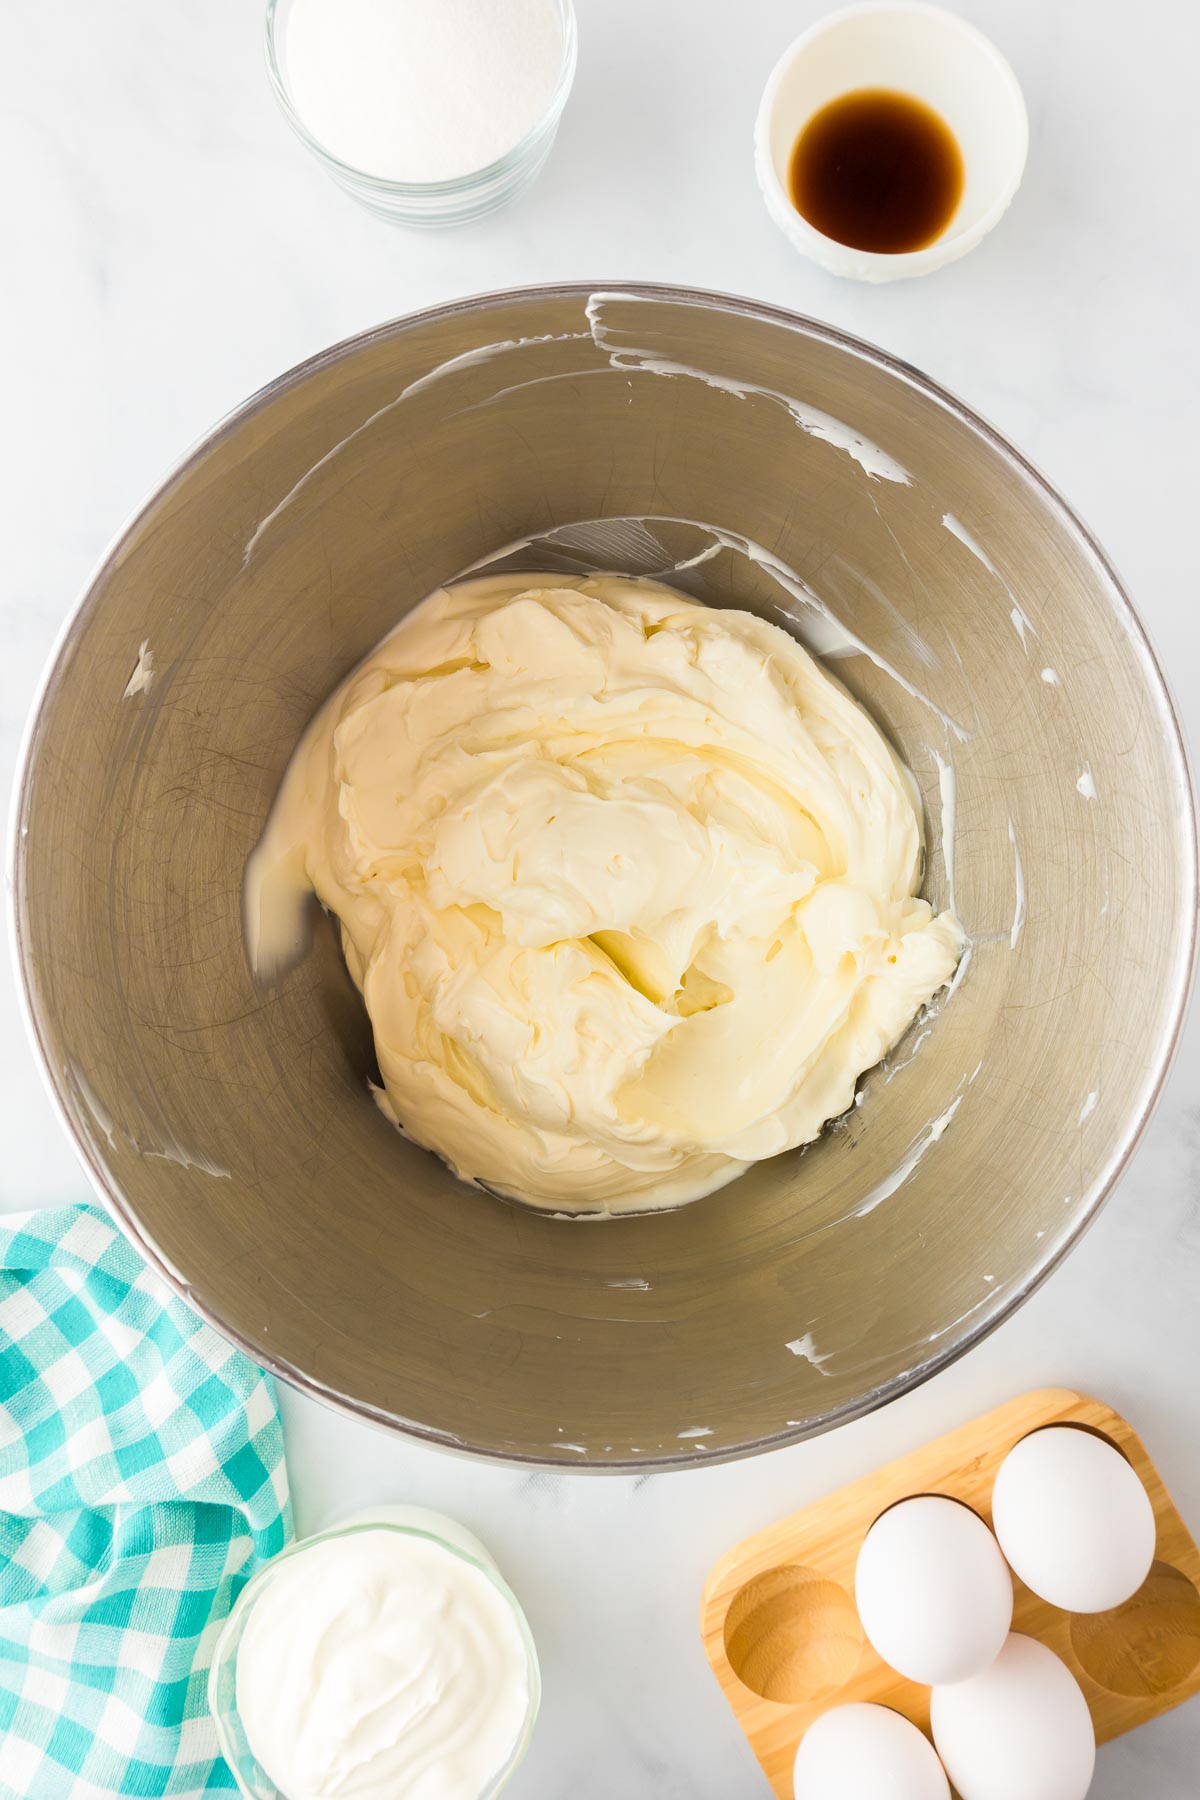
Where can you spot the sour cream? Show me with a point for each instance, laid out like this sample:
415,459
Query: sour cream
381,1662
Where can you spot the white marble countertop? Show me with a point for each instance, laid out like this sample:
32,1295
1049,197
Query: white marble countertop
171,247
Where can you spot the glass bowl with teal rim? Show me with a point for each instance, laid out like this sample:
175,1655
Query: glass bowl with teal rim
253,1780
459,200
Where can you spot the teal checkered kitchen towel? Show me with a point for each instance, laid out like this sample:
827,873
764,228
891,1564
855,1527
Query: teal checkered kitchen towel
142,1481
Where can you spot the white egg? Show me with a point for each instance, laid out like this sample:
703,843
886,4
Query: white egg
932,1590
867,1753
1073,1519
1019,1731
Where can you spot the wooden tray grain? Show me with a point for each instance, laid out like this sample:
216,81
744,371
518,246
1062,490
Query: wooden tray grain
783,1637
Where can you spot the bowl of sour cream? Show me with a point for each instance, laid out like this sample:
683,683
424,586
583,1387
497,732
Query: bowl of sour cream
384,1656
754,660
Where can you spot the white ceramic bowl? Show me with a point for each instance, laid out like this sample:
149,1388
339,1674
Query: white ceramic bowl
923,51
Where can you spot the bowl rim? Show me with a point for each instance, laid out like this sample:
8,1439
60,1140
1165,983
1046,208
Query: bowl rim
956,1344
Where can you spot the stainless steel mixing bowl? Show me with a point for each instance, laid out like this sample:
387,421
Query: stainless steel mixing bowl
232,1131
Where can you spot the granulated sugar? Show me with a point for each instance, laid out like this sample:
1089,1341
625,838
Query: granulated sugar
421,90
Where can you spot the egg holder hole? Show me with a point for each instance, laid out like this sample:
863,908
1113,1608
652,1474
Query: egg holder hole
783,1634
1147,1646
1087,1431
792,1634
925,1494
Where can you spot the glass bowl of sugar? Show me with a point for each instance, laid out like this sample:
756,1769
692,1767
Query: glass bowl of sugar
430,112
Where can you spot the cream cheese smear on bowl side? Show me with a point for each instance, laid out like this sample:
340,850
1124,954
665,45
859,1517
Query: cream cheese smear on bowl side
627,883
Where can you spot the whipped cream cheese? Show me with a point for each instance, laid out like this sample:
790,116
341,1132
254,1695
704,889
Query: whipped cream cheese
376,1663
627,884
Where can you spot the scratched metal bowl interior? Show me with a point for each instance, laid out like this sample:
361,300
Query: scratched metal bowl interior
756,460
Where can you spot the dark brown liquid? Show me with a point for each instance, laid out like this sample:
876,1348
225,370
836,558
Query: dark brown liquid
877,170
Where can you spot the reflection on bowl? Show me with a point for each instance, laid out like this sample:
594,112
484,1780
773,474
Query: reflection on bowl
752,458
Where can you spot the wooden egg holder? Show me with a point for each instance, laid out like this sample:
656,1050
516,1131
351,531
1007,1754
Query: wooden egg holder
785,1642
